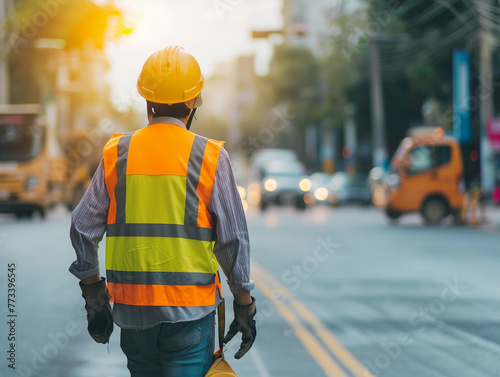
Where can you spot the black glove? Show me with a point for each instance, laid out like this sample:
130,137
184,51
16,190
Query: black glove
243,322
99,317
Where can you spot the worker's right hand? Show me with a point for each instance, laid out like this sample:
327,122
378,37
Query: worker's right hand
99,317
243,322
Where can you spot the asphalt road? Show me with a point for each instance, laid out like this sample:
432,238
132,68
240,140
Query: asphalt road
340,293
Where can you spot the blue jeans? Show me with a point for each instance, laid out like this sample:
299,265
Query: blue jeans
183,349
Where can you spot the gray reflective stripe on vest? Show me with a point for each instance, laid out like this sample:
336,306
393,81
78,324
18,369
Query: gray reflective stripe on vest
121,173
192,180
160,230
160,278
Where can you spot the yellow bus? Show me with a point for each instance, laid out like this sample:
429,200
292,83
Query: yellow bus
24,165
32,178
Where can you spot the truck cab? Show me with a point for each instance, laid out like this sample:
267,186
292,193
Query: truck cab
425,175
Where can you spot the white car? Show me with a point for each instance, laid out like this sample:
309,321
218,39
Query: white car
284,183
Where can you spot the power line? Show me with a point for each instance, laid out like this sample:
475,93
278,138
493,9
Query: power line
396,57
400,54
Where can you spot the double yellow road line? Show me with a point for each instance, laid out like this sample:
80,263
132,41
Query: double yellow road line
320,342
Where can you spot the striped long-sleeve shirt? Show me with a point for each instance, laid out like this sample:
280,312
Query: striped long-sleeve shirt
232,249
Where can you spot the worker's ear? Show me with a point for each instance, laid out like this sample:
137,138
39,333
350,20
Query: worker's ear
150,112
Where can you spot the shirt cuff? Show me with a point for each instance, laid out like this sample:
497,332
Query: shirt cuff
248,286
83,274
236,288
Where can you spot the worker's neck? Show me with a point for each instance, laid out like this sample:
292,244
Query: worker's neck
183,120
168,120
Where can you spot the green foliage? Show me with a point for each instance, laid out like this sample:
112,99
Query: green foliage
416,41
294,73
293,79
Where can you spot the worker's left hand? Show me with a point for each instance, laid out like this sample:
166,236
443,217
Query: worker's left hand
99,317
243,322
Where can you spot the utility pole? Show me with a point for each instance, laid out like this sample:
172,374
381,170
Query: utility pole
4,69
486,111
350,139
379,149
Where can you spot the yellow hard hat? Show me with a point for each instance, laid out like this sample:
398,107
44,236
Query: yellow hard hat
171,75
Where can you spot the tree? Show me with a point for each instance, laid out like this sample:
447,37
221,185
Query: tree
77,23
293,83
293,77
416,41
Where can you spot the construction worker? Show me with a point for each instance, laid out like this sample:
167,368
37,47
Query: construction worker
169,205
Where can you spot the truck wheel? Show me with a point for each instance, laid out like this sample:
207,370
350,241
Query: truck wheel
434,210
393,215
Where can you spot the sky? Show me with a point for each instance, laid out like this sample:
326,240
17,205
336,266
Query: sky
211,30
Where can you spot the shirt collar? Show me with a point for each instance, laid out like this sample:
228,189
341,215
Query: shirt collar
169,120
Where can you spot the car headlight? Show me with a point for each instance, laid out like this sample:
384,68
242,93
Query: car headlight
253,193
321,194
31,182
270,185
305,184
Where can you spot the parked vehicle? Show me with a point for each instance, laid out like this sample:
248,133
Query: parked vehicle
31,179
283,183
347,188
425,175
24,167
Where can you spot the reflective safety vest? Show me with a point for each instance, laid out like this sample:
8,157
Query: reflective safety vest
159,243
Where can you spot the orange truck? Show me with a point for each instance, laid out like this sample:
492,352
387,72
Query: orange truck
32,180
425,175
